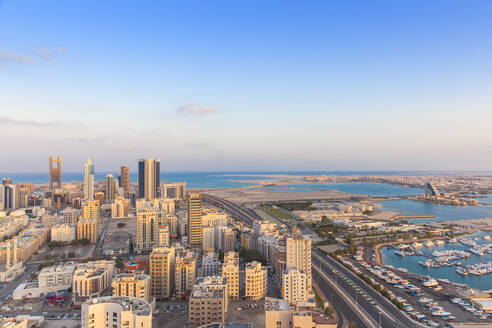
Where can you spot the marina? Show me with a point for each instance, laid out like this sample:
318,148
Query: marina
452,260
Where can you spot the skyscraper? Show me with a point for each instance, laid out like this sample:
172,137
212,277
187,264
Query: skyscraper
125,179
88,180
195,221
55,172
109,196
8,196
149,171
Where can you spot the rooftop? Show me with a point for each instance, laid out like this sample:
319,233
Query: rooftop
276,304
136,305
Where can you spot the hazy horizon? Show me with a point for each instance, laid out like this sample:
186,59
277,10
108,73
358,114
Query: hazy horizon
247,86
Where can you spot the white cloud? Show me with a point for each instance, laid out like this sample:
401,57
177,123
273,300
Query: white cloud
12,57
47,54
5,120
197,109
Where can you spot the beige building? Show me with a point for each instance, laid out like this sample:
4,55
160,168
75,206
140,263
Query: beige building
164,236
298,255
161,269
59,276
148,224
63,232
230,271
91,209
116,312
280,314
256,281
91,279
88,229
212,218
70,215
195,236
225,238
294,286
208,302
120,207
134,285
208,241
185,274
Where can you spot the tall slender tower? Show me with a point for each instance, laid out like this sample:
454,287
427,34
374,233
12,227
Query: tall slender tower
88,180
125,179
141,178
149,178
110,191
195,221
55,172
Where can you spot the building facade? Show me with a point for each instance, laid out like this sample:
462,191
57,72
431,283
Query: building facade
256,281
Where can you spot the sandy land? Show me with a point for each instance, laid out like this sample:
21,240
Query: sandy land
473,224
266,195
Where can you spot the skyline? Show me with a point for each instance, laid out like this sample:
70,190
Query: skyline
221,86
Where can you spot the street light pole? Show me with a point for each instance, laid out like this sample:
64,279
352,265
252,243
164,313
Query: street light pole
379,319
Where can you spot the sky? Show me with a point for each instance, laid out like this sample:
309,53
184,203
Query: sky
246,85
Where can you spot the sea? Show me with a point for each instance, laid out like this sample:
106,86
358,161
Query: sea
411,263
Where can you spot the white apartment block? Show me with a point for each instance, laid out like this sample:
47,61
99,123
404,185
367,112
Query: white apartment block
64,232
116,312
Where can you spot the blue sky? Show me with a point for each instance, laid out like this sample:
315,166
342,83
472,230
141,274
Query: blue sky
247,85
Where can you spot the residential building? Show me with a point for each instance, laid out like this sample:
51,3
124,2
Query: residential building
294,286
210,264
208,302
88,229
91,279
64,232
298,255
213,218
280,314
230,271
70,215
161,269
148,224
91,210
120,207
208,242
116,312
134,285
256,281
225,238
195,221
185,274
164,236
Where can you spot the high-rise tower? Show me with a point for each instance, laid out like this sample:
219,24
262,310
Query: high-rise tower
88,180
149,171
125,179
195,221
55,172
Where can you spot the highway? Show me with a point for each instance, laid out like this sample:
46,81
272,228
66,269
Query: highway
374,307
358,302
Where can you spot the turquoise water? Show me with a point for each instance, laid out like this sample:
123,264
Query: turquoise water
441,212
411,264
371,189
